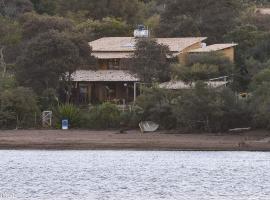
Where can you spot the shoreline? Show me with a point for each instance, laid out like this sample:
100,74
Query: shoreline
258,140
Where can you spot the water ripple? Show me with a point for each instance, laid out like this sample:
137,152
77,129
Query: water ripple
134,175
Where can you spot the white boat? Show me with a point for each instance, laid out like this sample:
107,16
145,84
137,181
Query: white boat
148,126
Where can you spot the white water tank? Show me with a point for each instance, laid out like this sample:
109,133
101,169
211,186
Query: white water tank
141,32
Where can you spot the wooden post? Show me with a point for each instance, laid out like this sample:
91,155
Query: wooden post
135,91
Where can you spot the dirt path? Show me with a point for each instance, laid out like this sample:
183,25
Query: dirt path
78,139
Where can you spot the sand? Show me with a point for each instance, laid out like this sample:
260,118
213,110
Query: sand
103,140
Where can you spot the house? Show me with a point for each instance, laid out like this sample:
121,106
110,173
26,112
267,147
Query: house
113,82
227,50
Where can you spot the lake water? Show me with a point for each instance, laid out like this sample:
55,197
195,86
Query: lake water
134,175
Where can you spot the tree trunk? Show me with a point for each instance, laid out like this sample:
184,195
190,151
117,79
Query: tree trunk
3,64
69,85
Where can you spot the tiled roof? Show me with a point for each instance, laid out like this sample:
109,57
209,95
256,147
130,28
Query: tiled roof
127,44
177,85
214,47
103,76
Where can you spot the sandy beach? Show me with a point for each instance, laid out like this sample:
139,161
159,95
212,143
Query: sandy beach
87,140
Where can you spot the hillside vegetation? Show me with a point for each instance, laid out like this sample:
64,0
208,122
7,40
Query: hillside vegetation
42,42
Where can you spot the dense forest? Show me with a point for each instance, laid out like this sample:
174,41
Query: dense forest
42,40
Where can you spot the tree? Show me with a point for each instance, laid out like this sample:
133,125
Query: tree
246,36
17,107
9,35
45,6
107,27
127,10
157,105
203,67
209,110
33,25
51,57
150,61
260,101
209,18
15,8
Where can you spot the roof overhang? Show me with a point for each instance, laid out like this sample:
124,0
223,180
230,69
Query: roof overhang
213,48
103,76
128,44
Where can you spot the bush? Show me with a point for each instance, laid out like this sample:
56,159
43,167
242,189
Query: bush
260,105
199,109
210,110
103,116
70,112
131,118
157,106
48,99
18,108
203,67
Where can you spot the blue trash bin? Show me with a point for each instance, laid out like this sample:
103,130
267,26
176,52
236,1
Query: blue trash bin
65,124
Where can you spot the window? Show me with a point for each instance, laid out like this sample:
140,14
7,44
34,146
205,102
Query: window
114,64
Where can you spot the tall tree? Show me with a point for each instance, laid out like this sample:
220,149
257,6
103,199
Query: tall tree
51,57
9,35
209,18
15,8
45,6
33,24
128,10
202,67
150,61
107,27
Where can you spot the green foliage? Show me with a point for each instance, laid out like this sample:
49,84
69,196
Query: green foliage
45,6
70,112
44,49
203,67
107,27
104,116
210,110
157,106
49,57
260,103
9,31
33,25
48,99
128,10
10,35
261,51
15,8
7,83
209,18
200,109
131,118
150,61
18,108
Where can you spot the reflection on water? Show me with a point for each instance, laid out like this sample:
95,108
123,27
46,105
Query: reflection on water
134,175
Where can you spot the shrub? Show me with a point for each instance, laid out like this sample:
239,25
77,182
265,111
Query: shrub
260,105
70,112
48,99
18,108
104,116
157,106
199,109
131,118
210,110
